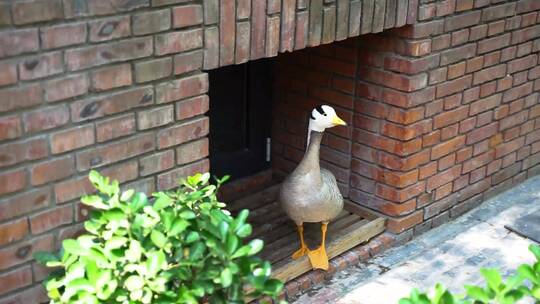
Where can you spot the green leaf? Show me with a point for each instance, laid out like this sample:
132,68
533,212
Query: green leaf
126,195
43,257
138,201
192,236
115,242
255,246
232,243
134,252
115,214
535,249
162,201
226,277
158,238
187,215
178,226
493,278
156,261
528,272
477,293
244,230
535,292
94,201
134,282
73,247
223,228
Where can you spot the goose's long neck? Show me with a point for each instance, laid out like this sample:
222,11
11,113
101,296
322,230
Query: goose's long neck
310,162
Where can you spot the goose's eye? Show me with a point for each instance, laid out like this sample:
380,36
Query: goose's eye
324,114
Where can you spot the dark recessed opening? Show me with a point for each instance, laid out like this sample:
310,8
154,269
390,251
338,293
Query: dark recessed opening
240,118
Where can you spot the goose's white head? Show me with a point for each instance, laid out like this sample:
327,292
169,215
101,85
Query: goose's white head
323,117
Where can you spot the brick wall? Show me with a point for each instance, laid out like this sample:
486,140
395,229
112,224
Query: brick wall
120,86
446,112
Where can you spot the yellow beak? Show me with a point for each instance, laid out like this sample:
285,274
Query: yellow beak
338,121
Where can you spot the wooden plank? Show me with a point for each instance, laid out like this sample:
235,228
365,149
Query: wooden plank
346,239
261,198
357,209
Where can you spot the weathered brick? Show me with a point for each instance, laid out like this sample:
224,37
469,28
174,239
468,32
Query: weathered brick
495,43
31,149
517,92
151,22
155,117
63,35
272,36
482,133
526,34
192,107
447,147
115,151
153,69
101,54
187,15
462,20
111,77
183,132
453,86
109,28
73,8
111,104
490,73
41,66
156,162
458,54
398,225
192,151
179,41
115,127
23,252
485,104
13,231
25,12
182,88
52,170
521,64
45,118
5,14
66,87
10,127
187,62
243,32
15,279
71,139
498,11
18,42
52,218
24,203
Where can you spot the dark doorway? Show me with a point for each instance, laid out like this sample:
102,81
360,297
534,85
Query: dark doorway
240,122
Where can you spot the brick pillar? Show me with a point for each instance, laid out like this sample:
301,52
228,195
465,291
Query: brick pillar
447,111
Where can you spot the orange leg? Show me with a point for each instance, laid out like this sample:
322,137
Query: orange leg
318,257
303,248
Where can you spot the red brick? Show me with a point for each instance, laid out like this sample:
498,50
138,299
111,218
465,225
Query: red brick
153,69
400,195
23,252
10,127
182,88
15,279
526,34
111,77
488,74
463,5
15,42
20,97
109,28
456,70
402,116
115,151
460,37
443,177
46,118
8,73
156,162
187,62
453,86
63,35
496,27
155,117
509,147
462,21
36,293
41,66
151,22
52,218
517,92
192,107
192,151
450,117
71,139
180,41
485,104
36,11
183,132
100,54
513,120
66,87
24,203
447,147
409,65
482,133
115,127
111,103
52,170
11,232
527,6
187,15
478,32
498,11
521,64
397,225
441,42
495,43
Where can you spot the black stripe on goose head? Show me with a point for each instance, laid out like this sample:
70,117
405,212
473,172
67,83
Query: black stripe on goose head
320,110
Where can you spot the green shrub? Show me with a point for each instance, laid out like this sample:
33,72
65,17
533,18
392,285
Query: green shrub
180,248
525,283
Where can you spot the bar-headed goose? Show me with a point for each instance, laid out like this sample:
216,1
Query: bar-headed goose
310,194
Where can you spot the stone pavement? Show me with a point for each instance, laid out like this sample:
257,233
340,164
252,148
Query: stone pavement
451,254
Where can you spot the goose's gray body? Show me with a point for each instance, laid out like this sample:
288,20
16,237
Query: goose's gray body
310,194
